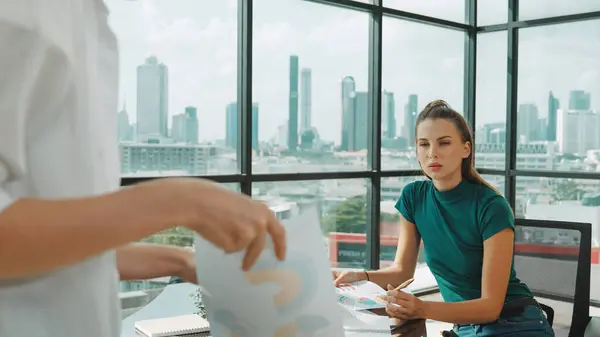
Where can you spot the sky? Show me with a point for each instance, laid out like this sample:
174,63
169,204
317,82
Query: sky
197,41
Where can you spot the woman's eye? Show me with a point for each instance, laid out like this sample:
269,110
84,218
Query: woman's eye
444,143
423,145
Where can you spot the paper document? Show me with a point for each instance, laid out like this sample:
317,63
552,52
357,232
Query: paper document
363,295
291,298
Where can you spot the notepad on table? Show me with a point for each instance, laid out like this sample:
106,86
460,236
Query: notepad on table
363,321
172,326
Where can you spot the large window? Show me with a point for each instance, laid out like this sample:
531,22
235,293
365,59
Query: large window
421,63
303,103
178,85
490,108
310,87
559,84
543,76
341,204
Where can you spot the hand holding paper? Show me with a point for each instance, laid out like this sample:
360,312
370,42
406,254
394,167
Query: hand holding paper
289,298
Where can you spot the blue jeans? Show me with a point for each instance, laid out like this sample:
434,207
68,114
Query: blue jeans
531,323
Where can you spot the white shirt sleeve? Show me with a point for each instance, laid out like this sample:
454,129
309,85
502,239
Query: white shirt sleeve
22,58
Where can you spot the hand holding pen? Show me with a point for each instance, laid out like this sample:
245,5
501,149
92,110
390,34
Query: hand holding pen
403,305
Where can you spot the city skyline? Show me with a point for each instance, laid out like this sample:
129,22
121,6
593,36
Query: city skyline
324,37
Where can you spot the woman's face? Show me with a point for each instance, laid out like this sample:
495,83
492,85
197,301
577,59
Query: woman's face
440,149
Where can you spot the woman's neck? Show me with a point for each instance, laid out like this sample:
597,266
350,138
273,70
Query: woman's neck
449,182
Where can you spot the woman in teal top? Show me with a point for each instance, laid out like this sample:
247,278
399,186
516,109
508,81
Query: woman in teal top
467,228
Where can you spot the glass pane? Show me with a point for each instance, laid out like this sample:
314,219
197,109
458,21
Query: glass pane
415,72
490,109
174,90
558,77
391,189
310,82
497,182
453,10
537,9
491,12
342,205
136,294
563,200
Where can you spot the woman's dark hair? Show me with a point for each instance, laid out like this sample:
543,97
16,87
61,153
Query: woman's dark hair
439,109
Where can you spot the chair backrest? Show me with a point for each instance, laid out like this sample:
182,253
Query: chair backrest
554,259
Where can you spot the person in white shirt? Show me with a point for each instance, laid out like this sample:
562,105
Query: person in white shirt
66,226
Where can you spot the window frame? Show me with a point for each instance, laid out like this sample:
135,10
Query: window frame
374,173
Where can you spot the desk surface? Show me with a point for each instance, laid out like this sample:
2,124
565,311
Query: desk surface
175,300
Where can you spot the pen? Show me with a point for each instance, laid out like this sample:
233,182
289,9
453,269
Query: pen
405,284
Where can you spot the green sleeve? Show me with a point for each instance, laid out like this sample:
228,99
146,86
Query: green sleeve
495,216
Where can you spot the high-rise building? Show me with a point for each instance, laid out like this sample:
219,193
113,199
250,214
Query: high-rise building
348,107
231,122
411,109
293,105
577,131
231,129
178,128
388,115
305,100
184,126
152,99
191,125
579,100
553,106
361,121
528,123
125,130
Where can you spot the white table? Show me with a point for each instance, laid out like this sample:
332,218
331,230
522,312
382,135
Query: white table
175,300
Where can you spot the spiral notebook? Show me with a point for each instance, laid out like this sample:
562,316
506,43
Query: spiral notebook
173,326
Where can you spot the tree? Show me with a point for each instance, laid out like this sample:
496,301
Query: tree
350,216
567,189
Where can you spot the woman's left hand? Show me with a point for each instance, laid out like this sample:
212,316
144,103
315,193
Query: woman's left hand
403,305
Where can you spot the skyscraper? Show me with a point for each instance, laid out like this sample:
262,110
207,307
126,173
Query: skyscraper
388,115
125,130
293,106
231,121
348,107
410,118
553,106
527,122
152,99
191,125
361,121
579,100
305,100
178,128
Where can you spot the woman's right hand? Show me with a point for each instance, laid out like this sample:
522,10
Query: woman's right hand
347,276
230,220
